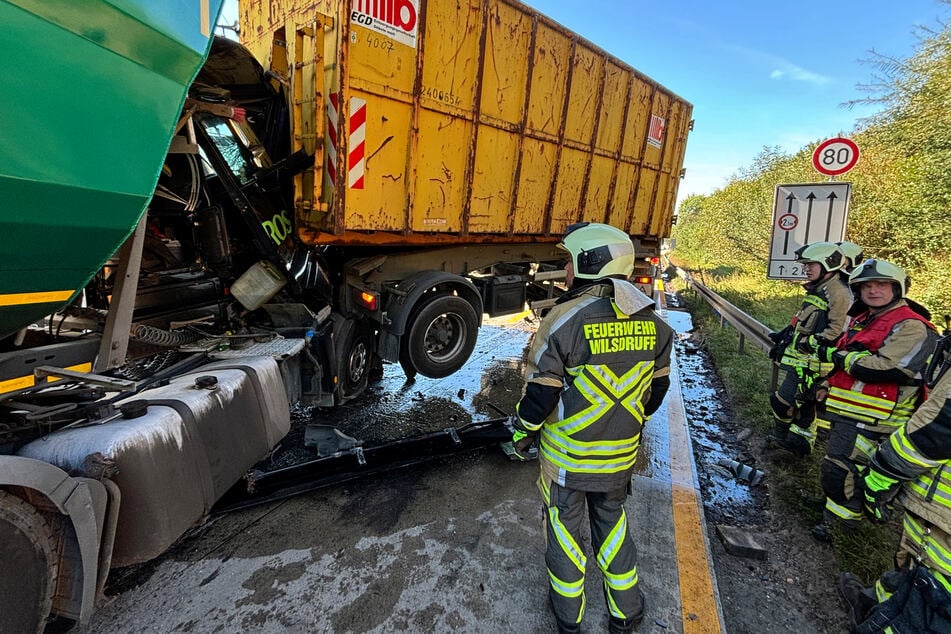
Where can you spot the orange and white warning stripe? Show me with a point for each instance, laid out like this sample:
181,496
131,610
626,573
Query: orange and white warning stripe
356,140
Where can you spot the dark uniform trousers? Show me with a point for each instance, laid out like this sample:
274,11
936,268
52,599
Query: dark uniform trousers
564,511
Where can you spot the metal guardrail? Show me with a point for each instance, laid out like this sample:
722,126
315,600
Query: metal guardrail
748,327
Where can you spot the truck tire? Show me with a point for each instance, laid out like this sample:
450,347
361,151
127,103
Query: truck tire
440,336
354,353
29,566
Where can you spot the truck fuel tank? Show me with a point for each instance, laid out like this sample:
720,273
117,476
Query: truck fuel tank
187,444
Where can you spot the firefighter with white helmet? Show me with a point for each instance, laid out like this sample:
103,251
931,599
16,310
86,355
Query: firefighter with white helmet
597,368
880,363
853,255
820,319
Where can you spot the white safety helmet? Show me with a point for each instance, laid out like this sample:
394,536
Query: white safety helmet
598,250
882,271
826,254
852,251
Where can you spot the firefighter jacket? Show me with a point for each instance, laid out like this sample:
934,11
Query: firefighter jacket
823,314
919,453
880,363
597,368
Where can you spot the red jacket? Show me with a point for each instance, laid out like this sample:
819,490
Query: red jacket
858,400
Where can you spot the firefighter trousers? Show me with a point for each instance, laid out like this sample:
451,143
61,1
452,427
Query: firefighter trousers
794,405
611,541
847,456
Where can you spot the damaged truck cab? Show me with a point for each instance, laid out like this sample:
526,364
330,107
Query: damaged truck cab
268,223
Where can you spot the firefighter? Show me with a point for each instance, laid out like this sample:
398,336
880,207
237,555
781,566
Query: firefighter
852,254
597,368
913,463
877,383
820,320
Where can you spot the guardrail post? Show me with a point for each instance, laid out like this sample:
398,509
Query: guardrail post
742,341
773,377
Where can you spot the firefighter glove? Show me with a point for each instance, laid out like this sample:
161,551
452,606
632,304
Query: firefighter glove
880,490
780,340
807,345
524,446
826,353
805,386
776,351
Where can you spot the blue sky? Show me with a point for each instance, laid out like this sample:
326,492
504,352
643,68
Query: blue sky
758,73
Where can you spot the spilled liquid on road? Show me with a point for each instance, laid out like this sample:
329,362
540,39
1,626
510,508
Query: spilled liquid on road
713,432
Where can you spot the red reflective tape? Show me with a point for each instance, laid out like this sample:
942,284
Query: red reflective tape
358,118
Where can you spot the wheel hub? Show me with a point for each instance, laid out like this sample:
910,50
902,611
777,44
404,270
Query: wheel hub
440,334
358,362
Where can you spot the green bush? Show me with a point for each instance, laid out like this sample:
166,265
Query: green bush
901,189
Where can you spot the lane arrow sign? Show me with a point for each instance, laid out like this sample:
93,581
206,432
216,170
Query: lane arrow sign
831,198
811,197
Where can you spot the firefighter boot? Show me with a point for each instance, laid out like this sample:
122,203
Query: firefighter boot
780,429
626,626
566,628
823,530
795,444
856,596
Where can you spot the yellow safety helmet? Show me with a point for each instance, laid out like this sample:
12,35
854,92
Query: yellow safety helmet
598,250
880,270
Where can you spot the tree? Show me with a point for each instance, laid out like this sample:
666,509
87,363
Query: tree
900,208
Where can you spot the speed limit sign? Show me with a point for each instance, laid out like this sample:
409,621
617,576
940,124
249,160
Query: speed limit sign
835,156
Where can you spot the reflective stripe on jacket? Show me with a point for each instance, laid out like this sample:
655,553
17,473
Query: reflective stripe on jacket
604,361
879,404
920,450
824,313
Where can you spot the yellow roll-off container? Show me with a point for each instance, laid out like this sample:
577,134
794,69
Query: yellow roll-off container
472,121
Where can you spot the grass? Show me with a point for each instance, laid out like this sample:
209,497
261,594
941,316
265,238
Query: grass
868,551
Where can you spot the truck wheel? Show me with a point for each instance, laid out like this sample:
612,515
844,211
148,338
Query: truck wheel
352,346
29,566
441,335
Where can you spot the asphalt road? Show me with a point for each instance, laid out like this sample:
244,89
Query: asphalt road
452,545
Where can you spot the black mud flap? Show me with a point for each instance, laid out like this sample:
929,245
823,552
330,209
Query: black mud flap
358,461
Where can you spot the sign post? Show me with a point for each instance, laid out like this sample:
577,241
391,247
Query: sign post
802,214
835,156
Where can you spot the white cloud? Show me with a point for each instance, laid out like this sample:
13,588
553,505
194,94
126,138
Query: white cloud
782,68
797,73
